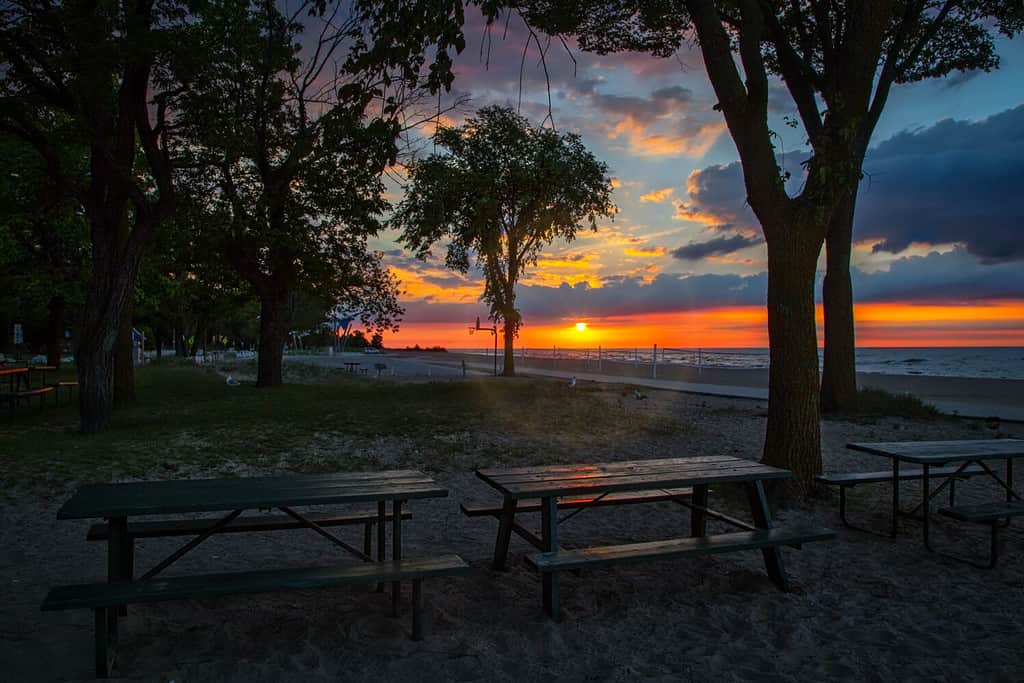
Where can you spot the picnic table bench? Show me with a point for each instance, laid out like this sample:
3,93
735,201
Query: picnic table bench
118,502
935,458
847,480
588,484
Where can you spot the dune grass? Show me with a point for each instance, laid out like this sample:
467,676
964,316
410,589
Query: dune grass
189,421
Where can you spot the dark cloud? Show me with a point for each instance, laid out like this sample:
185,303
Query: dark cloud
949,277
718,246
957,181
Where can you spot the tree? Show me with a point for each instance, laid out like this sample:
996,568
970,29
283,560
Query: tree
45,242
842,55
93,64
504,190
290,142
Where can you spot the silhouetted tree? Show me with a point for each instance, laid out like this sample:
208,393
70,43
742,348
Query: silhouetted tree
503,191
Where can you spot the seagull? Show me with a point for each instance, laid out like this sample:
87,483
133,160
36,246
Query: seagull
572,382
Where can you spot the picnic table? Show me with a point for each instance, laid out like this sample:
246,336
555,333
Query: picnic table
956,458
351,365
604,482
121,502
16,377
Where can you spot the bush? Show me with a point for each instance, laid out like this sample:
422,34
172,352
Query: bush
872,401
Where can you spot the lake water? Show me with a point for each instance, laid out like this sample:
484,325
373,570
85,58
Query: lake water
1006,362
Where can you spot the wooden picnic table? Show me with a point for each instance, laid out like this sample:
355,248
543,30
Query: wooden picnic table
970,453
351,365
117,503
548,483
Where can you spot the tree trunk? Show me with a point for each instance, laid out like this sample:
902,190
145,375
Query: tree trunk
509,369
124,362
55,330
793,437
839,372
273,333
106,299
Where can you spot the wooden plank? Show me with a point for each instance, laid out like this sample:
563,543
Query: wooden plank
854,478
136,498
940,452
621,498
676,548
188,527
985,512
629,483
508,483
605,466
263,581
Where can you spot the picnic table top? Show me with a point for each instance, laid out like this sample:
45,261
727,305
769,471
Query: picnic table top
241,493
939,452
13,371
628,475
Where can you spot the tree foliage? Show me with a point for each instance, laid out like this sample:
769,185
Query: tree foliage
291,118
502,191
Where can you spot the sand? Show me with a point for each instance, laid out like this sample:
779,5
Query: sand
863,607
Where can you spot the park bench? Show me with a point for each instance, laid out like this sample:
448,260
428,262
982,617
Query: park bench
847,480
195,527
26,395
992,514
105,598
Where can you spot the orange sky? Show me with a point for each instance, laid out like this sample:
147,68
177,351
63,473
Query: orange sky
999,323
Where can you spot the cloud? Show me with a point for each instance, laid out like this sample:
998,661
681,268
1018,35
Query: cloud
716,196
657,196
719,246
954,276
955,182
645,252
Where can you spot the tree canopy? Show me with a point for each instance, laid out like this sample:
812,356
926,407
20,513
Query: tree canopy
502,191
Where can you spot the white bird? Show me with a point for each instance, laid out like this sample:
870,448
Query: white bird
572,382
637,395
232,382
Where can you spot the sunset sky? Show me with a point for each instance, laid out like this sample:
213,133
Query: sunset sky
938,255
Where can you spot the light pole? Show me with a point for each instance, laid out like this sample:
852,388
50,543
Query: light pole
494,331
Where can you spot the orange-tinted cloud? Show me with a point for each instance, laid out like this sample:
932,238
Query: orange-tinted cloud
657,196
646,252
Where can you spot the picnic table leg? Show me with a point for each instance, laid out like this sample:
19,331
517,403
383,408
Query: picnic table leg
698,520
508,516
549,538
895,497
763,520
381,532
396,552
117,559
926,505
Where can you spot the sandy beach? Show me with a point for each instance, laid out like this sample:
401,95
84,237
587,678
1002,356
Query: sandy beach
863,607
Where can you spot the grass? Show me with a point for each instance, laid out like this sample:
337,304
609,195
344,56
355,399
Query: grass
188,421
883,403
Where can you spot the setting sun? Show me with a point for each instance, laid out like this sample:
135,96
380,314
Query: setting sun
581,327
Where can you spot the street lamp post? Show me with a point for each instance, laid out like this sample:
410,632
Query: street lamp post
494,331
